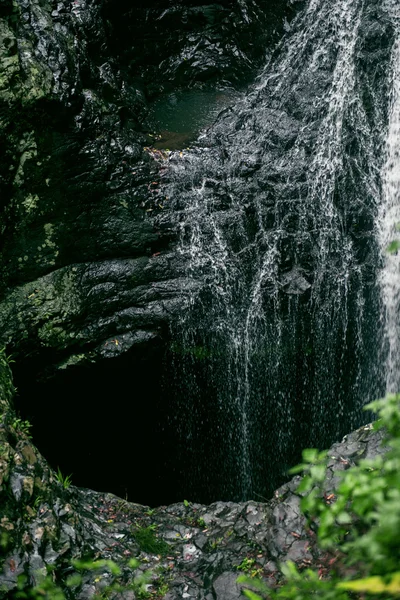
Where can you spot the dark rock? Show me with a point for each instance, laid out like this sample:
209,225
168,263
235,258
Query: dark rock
294,282
226,587
186,43
90,273
285,255
76,186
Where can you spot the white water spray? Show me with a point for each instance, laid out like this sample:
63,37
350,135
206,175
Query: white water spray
272,212
389,230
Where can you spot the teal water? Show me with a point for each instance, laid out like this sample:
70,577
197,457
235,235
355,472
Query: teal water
181,116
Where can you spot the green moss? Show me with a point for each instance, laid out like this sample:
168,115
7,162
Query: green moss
9,63
198,352
22,77
45,306
28,149
77,359
53,335
6,384
148,542
30,202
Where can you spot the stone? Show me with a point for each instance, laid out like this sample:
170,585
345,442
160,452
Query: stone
226,587
90,268
294,282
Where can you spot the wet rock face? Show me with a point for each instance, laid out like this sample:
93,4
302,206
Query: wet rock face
87,274
74,179
279,226
189,42
79,248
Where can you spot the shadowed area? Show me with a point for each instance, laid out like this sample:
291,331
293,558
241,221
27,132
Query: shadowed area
105,424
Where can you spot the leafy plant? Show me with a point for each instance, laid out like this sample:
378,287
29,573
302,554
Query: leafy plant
194,521
149,542
65,480
6,383
393,247
6,358
214,544
163,589
297,586
38,501
47,588
22,427
361,525
248,565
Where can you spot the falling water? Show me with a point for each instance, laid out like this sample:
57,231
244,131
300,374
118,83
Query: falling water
276,208
389,228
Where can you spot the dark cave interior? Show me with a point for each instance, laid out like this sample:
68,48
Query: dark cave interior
105,424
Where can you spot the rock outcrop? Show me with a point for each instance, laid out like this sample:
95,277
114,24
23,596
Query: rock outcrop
90,272
88,275
278,204
81,259
77,244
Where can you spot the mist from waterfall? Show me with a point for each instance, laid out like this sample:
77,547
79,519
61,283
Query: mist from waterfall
389,227
277,206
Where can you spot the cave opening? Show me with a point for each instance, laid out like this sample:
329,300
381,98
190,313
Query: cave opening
106,424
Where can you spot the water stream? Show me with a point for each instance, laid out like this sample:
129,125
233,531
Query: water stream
389,227
277,206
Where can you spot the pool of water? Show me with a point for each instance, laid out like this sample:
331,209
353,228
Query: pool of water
180,116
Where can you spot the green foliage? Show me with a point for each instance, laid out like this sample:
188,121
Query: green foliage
374,585
4,540
65,480
361,525
6,359
108,579
163,589
96,565
393,247
149,542
297,586
46,588
195,521
214,544
22,427
38,501
248,566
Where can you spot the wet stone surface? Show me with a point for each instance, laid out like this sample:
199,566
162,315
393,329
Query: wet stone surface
89,270
78,183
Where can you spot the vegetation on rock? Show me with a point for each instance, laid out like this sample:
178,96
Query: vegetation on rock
106,570
359,524
148,542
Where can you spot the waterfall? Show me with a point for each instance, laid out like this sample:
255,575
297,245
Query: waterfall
389,229
276,209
